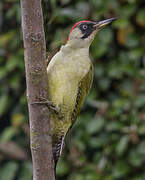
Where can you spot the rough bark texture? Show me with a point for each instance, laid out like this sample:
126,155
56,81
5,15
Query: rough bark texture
36,79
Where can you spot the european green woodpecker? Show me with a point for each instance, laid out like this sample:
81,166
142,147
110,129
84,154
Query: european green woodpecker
70,74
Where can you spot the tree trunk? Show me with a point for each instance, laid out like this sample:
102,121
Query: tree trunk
36,80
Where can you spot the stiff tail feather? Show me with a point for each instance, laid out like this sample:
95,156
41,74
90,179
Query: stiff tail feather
57,147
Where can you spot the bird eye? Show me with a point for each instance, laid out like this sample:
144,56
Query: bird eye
85,27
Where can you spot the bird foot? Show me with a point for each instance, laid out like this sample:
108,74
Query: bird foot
49,104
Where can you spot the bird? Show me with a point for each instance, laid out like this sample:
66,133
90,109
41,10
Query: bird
70,76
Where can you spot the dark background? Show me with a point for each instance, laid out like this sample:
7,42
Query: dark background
108,140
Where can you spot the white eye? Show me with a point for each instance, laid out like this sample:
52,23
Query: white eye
85,26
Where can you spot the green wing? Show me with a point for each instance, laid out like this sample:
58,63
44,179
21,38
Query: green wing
83,89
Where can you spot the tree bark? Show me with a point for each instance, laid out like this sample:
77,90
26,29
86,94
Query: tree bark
37,89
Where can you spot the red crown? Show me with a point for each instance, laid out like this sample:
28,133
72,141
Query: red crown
75,26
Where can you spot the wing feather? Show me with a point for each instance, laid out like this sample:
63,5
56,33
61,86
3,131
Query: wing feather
83,89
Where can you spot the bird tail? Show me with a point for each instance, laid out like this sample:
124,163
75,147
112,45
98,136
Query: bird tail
57,147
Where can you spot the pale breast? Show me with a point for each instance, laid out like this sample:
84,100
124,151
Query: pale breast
65,71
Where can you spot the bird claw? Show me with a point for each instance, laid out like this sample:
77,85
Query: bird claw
49,104
54,108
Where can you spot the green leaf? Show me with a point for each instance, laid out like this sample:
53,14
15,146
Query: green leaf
26,171
95,125
122,145
120,169
7,134
8,172
4,102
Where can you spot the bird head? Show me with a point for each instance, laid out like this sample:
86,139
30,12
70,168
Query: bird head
83,33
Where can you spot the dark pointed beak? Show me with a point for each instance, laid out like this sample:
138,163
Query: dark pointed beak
103,23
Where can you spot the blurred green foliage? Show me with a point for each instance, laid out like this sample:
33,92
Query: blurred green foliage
108,140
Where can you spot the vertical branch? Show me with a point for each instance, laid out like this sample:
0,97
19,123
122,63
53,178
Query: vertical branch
36,80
